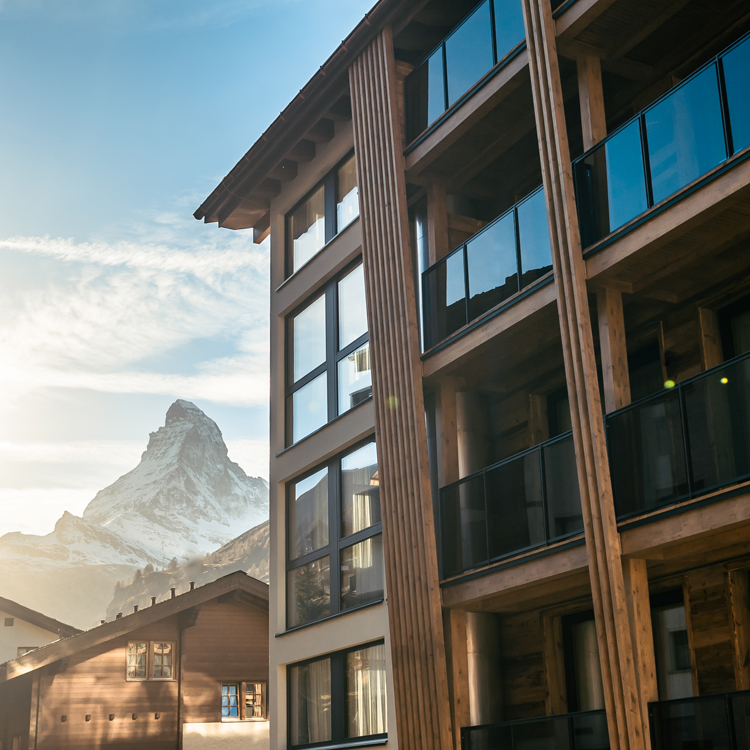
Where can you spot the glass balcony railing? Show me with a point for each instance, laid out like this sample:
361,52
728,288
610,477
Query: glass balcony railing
484,38
718,722
580,731
682,442
692,129
525,501
505,256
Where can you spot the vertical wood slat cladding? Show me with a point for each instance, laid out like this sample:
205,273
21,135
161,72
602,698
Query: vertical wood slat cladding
414,601
625,712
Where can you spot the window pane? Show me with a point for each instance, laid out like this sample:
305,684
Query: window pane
672,652
445,292
588,673
254,701
309,333
493,267
468,52
509,28
737,79
309,592
366,708
425,94
310,407
685,135
352,309
162,660
307,228
355,378
347,194
362,573
564,514
464,527
230,701
137,655
310,697
533,230
308,515
545,734
360,490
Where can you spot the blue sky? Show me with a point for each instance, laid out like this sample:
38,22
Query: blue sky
119,117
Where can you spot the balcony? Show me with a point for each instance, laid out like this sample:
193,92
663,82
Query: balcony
715,722
687,133
526,501
683,442
579,731
488,36
505,257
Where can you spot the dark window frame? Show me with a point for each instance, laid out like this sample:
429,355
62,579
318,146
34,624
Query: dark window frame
330,193
338,700
333,354
336,543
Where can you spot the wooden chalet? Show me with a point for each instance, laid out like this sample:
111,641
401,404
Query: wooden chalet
188,672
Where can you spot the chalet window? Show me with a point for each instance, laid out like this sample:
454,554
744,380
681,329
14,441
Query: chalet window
328,356
150,660
334,538
338,698
243,700
322,214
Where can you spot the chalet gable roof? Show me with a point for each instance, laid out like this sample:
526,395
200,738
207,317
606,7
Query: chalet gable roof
14,609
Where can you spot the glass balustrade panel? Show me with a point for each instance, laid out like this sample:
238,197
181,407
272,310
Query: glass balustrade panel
445,299
468,52
492,264
425,94
545,734
590,731
515,512
737,80
741,715
561,484
647,455
488,738
699,723
685,134
464,526
509,28
533,233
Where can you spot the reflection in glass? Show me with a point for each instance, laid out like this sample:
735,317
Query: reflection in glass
360,490
162,660
309,334
310,702
435,86
736,65
588,672
464,527
590,731
308,515
355,378
493,267
309,592
515,513
685,134
533,232
509,28
362,573
347,194
309,407
672,652
137,655
468,52
564,514
366,708
445,292
307,228
352,309
549,733
693,723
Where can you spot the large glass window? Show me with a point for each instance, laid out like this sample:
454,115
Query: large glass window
328,356
327,210
582,667
671,646
334,538
339,697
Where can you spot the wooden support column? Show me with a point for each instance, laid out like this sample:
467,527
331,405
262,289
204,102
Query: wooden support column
36,687
613,349
437,221
538,419
711,352
447,437
458,670
414,598
591,96
739,604
623,704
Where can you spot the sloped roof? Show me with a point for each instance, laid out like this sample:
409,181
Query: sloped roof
252,592
14,609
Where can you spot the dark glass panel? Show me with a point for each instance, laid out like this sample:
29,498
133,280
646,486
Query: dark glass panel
717,408
691,724
561,484
685,134
362,573
425,94
590,731
741,714
509,28
493,268
737,79
445,292
611,184
499,737
515,512
647,456
533,231
464,526
310,702
435,86
309,592
360,490
308,515
545,734
468,52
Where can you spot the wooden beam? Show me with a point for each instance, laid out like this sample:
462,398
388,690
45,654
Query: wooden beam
447,432
739,603
262,228
341,110
267,189
538,419
556,697
322,131
454,622
591,96
613,347
711,351
579,16
303,151
437,221
285,171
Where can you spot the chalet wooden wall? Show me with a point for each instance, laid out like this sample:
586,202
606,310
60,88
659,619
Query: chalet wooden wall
15,705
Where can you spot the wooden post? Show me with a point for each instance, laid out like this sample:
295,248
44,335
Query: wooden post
739,603
414,598
711,351
437,221
538,419
458,670
556,698
447,440
613,349
36,687
625,721
591,96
